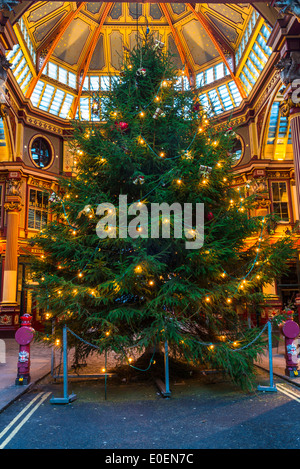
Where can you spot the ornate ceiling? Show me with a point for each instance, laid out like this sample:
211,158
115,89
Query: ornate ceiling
72,31
89,38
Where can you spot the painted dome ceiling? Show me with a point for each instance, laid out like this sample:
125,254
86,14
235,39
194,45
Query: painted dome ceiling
71,41
107,27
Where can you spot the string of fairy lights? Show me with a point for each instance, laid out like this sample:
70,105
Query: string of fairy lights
138,268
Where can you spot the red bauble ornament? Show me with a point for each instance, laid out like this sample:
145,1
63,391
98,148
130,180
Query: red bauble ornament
196,107
210,216
123,126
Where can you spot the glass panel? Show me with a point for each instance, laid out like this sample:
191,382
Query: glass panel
84,109
52,70
41,152
226,100
63,75
45,101
219,71
72,80
273,123
57,100
209,75
31,218
199,80
66,106
105,83
32,195
215,101
38,209
94,83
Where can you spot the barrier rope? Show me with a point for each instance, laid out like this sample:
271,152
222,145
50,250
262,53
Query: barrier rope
96,347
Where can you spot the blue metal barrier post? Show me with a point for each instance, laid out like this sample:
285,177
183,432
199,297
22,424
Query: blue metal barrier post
67,398
167,377
272,386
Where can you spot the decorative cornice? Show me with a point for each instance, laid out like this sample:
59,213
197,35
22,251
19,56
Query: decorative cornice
44,125
39,183
287,105
13,206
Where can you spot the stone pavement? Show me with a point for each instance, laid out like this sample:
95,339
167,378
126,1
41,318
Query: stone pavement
40,355
40,367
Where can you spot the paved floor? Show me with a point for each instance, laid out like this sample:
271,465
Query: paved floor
41,367
200,415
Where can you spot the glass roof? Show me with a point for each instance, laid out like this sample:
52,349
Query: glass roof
68,50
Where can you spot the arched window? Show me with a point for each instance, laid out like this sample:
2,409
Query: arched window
237,150
278,144
41,152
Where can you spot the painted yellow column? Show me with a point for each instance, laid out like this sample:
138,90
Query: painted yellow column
9,309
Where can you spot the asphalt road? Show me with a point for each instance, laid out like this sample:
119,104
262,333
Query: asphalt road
134,416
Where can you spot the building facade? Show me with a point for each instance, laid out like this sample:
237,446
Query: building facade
242,58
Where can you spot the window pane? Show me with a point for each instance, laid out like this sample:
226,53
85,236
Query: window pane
209,75
52,70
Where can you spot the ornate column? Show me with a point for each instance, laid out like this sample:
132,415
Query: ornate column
295,132
9,309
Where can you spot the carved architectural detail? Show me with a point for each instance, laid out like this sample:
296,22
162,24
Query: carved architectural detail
44,125
13,206
14,187
289,6
286,106
289,67
8,4
4,66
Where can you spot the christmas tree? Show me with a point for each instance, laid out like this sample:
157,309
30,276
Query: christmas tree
110,274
